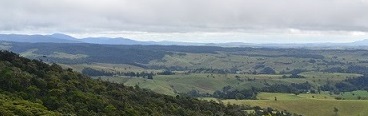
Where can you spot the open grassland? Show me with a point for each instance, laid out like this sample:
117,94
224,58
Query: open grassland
203,83
67,56
354,95
320,105
61,55
228,61
209,83
246,62
322,78
289,96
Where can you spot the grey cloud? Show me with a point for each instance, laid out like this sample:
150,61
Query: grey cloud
183,15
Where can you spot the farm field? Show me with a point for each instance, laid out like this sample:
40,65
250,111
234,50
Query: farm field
209,83
321,105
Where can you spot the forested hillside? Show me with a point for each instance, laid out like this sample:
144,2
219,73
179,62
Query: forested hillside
31,87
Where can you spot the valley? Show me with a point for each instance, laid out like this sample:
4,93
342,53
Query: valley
310,78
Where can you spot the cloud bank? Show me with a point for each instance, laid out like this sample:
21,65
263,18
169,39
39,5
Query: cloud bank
184,16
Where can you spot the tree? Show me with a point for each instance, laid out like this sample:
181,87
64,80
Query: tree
336,111
268,70
150,76
166,72
239,96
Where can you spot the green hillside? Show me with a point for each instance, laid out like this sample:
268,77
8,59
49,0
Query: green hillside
255,75
306,105
209,83
30,87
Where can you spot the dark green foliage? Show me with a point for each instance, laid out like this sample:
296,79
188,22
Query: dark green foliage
351,84
94,72
296,71
357,69
295,76
212,71
267,70
350,69
229,92
38,88
257,66
11,106
292,88
334,70
166,72
312,61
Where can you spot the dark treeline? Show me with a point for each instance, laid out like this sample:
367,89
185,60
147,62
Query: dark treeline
349,84
295,88
93,72
213,71
149,75
349,69
229,92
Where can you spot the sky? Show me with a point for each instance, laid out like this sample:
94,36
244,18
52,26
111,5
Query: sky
217,21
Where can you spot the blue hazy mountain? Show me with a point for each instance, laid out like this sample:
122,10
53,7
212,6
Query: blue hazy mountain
126,41
55,38
63,38
361,42
113,41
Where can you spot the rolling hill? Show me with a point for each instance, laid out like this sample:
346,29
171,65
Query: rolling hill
36,88
31,87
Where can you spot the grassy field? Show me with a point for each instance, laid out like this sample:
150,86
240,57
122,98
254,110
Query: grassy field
209,83
67,56
246,62
354,95
228,61
320,105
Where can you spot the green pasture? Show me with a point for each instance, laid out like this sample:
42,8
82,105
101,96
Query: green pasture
209,83
304,104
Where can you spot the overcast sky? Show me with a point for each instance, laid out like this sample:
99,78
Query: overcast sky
252,21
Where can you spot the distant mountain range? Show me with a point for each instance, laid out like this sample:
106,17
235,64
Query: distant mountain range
54,38
62,38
